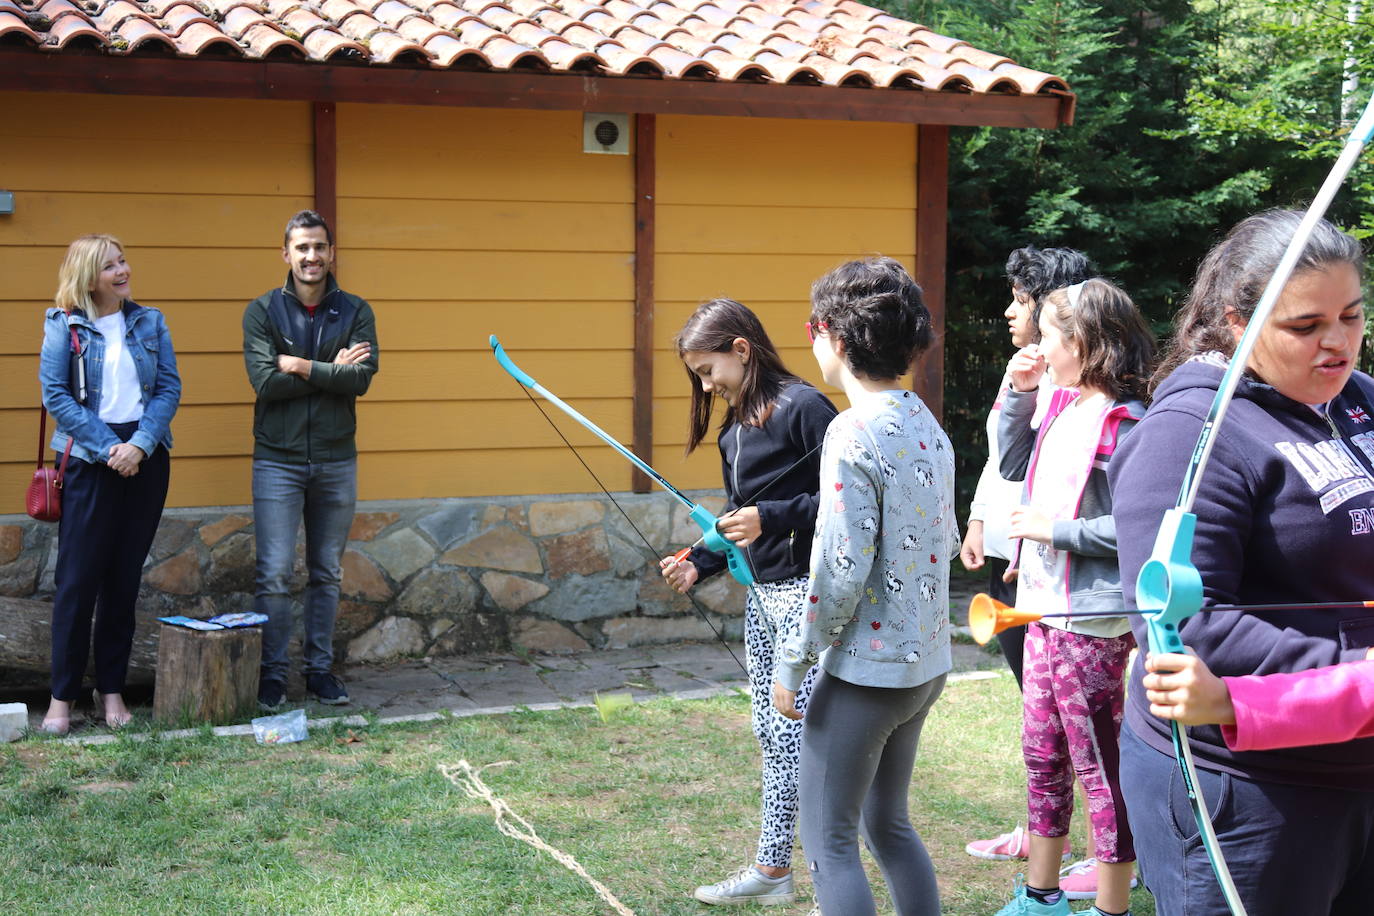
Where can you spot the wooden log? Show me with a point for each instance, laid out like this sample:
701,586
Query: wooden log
206,675
26,641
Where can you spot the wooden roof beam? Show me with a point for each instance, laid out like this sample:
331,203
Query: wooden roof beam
36,71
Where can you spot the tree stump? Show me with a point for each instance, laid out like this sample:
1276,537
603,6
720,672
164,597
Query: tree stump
206,675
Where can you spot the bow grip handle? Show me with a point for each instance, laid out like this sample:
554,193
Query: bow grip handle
1169,587
712,540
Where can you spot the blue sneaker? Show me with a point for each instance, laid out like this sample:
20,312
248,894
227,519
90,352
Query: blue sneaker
327,689
1022,904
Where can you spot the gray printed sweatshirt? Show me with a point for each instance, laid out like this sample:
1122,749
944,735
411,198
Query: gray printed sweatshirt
877,612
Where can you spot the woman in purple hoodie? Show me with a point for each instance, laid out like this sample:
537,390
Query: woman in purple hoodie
1285,515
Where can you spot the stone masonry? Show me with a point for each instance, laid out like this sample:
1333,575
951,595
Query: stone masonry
439,577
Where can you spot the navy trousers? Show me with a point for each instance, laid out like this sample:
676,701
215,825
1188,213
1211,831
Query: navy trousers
1291,849
107,526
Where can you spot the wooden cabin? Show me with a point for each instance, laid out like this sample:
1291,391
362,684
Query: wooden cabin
458,148
446,141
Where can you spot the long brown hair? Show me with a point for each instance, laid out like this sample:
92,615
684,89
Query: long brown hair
713,328
1234,274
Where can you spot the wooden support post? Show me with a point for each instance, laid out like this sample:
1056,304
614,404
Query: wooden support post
326,156
932,213
206,675
643,409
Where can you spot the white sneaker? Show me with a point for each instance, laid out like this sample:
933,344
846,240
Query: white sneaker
748,885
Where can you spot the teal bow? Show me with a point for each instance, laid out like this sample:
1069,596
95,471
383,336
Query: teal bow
710,537
1169,586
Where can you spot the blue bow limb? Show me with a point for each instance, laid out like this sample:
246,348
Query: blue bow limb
711,538
1169,591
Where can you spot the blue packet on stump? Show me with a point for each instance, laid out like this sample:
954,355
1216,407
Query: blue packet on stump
190,623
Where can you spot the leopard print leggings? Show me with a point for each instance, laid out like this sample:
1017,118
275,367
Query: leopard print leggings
771,614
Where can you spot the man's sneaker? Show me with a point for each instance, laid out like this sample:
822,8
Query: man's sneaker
326,688
1023,904
1079,880
748,885
1014,845
271,694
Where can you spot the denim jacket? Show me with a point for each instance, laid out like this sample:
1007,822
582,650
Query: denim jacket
150,344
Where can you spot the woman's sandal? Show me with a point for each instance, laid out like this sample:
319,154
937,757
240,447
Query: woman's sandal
59,726
117,721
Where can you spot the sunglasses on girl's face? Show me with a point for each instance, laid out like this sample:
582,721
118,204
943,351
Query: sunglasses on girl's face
813,328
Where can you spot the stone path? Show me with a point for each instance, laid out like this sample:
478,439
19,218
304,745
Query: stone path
477,684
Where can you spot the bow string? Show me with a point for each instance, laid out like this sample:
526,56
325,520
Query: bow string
1169,586
710,537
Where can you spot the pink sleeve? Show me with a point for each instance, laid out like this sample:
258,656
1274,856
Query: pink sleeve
1320,706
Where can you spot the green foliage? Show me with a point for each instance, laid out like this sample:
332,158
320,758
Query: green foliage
1189,117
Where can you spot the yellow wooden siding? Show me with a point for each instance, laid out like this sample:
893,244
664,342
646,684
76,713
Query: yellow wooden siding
454,224
460,223
755,210
199,202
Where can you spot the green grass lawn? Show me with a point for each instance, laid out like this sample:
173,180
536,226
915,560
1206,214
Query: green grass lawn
660,799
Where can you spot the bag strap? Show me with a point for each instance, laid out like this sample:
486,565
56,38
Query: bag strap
43,420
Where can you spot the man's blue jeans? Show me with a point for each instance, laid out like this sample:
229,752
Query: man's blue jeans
324,495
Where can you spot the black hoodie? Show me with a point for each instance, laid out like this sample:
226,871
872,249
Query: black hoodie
755,463
1285,514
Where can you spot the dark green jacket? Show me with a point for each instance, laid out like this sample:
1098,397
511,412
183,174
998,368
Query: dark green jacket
299,420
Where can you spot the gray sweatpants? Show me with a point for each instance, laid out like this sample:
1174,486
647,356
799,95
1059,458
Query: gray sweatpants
858,750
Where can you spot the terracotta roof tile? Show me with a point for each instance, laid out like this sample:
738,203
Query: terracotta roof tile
387,47
9,22
178,16
53,9
324,44
69,29
199,38
448,16
240,19
565,56
530,8
421,30
138,32
113,14
831,42
360,27
265,40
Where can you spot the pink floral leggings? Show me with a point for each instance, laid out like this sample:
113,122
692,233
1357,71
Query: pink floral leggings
1073,693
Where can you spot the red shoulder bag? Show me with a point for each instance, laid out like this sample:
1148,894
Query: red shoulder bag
44,498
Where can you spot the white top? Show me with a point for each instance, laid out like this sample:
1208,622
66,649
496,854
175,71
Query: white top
119,399
1066,457
994,498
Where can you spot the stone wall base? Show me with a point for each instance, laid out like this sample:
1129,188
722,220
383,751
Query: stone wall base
438,577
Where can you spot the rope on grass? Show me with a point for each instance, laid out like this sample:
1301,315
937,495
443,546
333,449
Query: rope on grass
466,777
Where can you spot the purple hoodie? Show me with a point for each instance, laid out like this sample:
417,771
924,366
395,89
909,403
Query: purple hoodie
1285,515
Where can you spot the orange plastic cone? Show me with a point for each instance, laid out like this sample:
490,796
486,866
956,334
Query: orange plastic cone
987,617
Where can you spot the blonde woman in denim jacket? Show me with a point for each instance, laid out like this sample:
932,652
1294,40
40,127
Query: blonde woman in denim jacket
113,393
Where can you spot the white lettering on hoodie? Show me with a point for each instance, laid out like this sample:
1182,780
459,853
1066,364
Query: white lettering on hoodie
1324,464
